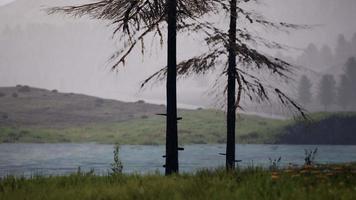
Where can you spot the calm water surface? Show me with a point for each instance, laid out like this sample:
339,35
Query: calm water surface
60,159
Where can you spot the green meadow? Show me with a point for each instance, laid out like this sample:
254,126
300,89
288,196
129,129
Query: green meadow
197,127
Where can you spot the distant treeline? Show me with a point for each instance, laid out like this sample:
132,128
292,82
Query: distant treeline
331,92
337,129
325,57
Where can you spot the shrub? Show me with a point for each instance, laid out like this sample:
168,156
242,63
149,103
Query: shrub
144,117
140,101
15,95
116,166
55,91
2,94
5,116
24,89
274,163
310,156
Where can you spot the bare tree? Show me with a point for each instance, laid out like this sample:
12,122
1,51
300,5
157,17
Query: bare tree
236,47
133,21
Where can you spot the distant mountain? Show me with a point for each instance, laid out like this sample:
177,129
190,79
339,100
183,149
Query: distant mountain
27,106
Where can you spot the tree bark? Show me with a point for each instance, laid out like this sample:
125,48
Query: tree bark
171,123
231,96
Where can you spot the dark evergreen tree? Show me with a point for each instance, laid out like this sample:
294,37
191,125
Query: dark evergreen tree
235,46
343,50
310,57
304,90
327,91
326,56
343,93
133,21
350,73
353,44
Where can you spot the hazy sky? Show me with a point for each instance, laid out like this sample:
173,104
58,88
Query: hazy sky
2,2
92,75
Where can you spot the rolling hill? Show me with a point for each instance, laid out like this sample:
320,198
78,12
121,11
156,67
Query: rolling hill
33,107
35,115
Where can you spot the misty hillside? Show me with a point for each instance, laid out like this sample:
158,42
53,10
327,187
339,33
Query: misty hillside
50,51
37,115
27,106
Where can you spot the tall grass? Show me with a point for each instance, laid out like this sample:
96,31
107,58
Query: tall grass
332,182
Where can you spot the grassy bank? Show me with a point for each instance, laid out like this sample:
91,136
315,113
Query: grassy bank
325,182
197,127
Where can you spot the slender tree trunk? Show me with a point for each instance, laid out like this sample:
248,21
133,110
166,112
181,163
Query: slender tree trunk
231,97
171,123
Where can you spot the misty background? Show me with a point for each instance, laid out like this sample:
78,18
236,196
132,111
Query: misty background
71,55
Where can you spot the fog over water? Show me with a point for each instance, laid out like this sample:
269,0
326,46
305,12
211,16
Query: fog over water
59,52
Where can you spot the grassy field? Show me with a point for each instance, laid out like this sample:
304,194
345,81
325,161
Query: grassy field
197,127
323,182
36,115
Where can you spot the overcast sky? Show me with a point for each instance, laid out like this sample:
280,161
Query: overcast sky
2,2
335,16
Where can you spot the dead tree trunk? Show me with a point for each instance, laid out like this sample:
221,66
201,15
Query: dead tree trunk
171,123
231,96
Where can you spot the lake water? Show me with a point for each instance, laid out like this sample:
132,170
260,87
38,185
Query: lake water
60,159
